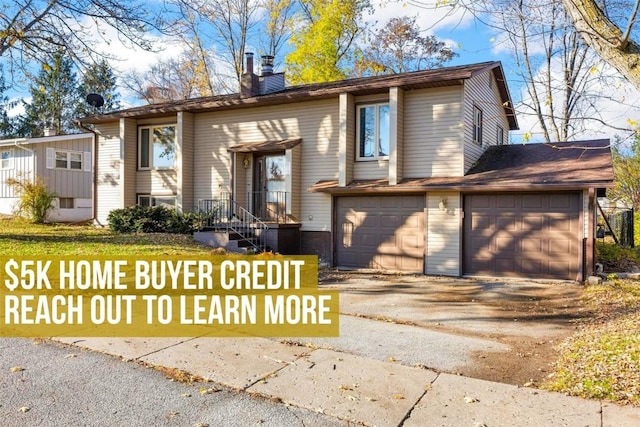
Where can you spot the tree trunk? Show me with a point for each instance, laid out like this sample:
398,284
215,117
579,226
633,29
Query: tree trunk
605,38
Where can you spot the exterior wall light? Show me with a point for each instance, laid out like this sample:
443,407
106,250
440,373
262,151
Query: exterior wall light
246,162
443,204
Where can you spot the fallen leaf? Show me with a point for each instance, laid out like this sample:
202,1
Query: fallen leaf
392,359
185,395
469,399
204,390
398,396
24,409
70,356
17,369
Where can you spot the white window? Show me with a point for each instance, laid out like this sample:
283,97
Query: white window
70,160
477,125
149,200
500,136
6,159
157,147
372,123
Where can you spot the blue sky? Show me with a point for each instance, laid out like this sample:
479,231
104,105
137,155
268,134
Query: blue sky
471,39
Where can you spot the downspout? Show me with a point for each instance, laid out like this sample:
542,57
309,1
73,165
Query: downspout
33,156
94,166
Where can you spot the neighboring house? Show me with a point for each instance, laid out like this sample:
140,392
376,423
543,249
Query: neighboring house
383,172
64,162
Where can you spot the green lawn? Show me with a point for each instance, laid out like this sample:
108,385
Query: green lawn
22,238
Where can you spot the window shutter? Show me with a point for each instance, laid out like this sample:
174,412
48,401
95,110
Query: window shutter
51,158
86,160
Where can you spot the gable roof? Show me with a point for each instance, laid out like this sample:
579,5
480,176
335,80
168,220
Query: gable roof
553,166
441,77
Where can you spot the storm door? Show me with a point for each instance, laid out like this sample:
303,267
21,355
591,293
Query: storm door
269,196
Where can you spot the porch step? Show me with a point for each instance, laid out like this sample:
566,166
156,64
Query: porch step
249,241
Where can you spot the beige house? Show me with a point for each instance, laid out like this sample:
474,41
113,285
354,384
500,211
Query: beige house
365,173
64,162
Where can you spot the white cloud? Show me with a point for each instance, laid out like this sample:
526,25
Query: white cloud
615,102
430,17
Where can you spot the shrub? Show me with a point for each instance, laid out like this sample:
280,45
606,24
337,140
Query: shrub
36,201
151,219
616,258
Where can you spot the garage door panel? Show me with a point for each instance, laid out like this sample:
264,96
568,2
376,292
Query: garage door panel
533,223
559,202
506,201
506,223
482,222
540,237
560,246
505,244
390,234
532,202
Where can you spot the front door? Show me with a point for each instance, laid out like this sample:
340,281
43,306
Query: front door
269,197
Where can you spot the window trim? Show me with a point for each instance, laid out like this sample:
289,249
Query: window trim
150,165
376,155
9,160
477,125
72,199
500,135
68,160
157,196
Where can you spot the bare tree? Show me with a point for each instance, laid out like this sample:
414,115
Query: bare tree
399,47
230,23
171,79
279,23
33,29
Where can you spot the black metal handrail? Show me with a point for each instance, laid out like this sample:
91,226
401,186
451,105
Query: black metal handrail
270,206
224,213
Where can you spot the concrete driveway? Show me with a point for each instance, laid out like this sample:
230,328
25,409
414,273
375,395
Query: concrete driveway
499,330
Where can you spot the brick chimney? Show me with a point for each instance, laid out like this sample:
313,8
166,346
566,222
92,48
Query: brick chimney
249,84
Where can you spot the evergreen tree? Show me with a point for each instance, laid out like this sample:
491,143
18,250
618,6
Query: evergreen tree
98,78
54,97
6,122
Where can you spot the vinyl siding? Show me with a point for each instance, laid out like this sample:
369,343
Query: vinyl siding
129,150
481,91
371,169
432,133
65,182
316,122
22,167
443,234
156,182
108,171
184,184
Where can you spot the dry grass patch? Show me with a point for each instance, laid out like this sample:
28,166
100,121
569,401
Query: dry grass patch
602,361
25,239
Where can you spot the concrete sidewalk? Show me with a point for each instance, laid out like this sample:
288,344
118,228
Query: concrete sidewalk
359,389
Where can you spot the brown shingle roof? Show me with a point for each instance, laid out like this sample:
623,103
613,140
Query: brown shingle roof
449,76
556,166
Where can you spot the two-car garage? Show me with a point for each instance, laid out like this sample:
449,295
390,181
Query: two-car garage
536,235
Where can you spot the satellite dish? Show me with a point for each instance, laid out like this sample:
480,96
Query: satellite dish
95,100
